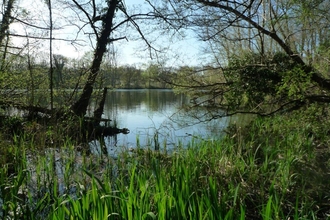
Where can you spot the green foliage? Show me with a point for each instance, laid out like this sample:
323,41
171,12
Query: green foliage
255,77
275,168
255,80
268,170
295,83
10,125
322,59
151,73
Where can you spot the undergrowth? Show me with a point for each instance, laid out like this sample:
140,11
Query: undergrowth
274,168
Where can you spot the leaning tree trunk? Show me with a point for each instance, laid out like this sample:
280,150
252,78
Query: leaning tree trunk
6,19
80,107
99,111
4,27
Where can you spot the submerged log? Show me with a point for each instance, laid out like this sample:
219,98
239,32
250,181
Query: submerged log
110,131
96,131
89,129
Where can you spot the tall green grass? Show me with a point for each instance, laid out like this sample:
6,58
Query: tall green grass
269,170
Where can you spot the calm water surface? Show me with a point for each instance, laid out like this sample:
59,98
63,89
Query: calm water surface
149,114
154,117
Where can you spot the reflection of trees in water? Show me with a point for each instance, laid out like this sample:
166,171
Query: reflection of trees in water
154,100
157,118
104,146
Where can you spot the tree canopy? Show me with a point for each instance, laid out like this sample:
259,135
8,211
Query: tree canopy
269,56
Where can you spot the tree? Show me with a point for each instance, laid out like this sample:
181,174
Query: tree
269,63
157,75
130,76
151,74
100,23
80,107
51,71
109,67
105,34
59,62
6,19
26,32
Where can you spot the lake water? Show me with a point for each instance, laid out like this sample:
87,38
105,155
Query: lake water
149,115
154,118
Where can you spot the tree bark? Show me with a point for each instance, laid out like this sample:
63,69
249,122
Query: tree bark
99,111
4,25
80,107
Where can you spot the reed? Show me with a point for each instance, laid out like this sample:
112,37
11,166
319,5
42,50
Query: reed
269,170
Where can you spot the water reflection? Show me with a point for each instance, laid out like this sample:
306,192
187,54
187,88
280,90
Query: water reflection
153,117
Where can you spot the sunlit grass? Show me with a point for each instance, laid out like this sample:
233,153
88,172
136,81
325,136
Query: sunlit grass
269,170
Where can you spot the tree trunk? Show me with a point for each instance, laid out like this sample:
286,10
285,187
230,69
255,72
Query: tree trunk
4,25
100,109
80,107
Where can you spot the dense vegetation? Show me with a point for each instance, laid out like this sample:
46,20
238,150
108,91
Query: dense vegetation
275,168
267,59
70,74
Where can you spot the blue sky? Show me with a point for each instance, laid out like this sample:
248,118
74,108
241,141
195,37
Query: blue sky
179,51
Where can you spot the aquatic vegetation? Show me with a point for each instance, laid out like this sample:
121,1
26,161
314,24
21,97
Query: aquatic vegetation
269,170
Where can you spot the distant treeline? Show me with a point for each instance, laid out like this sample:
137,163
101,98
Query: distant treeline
70,74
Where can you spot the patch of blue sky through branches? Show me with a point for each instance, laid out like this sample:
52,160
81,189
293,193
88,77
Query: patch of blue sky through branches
71,41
